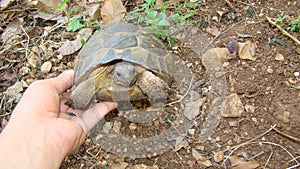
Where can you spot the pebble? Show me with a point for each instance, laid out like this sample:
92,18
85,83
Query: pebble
269,70
284,118
233,123
249,108
233,106
192,131
297,74
132,126
279,57
46,67
219,156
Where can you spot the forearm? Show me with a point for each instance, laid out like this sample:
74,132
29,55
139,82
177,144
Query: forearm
23,150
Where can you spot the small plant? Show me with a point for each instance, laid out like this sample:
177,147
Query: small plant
295,25
154,17
77,22
279,20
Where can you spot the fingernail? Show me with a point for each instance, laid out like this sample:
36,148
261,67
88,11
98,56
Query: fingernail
115,104
67,72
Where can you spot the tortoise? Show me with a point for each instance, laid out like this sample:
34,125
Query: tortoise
120,63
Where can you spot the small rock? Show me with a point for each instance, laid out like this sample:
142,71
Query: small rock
296,74
249,108
254,119
132,126
24,71
192,131
143,166
219,156
298,51
32,61
117,126
218,138
233,123
46,67
284,118
269,70
215,18
279,57
106,127
233,106
201,148
292,81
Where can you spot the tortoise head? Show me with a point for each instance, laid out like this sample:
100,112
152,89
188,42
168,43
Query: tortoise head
124,74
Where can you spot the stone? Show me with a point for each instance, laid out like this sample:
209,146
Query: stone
233,106
279,57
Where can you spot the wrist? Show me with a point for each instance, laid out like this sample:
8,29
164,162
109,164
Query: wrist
20,149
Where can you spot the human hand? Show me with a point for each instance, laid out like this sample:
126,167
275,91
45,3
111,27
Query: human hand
40,132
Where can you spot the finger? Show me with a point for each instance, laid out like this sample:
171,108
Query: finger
92,116
63,81
63,106
43,95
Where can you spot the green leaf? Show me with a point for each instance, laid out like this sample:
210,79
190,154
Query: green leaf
176,17
61,5
83,42
192,4
74,25
41,11
163,23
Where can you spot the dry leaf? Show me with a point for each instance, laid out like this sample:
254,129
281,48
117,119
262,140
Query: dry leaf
121,165
247,165
47,5
93,11
112,11
12,31
213,31
5,3
235,160
205,163
197,156
14,90
247,50
51,17
180,143
70,47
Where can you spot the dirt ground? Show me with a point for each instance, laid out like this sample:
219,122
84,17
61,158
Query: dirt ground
267,131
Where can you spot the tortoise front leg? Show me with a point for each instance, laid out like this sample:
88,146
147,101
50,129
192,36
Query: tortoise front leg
156,89
83,94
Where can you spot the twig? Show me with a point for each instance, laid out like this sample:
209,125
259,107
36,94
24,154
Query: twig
231,6
255,138
294,166
204,49
269,158
286,135
256,155
285,33
28,41
185,94
245,143
290,154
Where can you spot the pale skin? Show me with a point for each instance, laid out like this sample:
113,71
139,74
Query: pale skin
40,134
